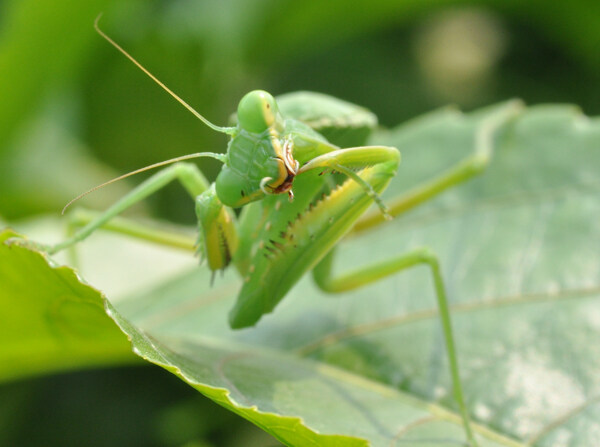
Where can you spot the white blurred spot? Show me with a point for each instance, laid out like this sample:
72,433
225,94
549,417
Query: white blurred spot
458,50
482,412
545,393
439,392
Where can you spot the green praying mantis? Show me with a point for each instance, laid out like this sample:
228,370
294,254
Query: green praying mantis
292,215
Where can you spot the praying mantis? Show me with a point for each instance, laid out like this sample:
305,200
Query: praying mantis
292,212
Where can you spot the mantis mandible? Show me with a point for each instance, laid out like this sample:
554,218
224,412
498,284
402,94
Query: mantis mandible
292,216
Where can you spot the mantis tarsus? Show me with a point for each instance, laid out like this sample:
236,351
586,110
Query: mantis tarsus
292,215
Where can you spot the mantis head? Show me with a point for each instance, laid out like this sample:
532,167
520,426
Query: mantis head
258,115
258,111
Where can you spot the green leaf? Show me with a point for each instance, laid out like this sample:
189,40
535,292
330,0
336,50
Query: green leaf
51,321
519,252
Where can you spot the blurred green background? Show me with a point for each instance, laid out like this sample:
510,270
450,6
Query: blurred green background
74,112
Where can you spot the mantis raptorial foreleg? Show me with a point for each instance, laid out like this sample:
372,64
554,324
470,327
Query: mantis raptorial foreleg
300,234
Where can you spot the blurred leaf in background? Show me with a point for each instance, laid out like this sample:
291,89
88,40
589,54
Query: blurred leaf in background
74,112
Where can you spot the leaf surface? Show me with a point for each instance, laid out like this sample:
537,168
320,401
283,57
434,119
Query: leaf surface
51,320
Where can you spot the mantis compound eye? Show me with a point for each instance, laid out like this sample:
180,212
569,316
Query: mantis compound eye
235,188
231,188
258,111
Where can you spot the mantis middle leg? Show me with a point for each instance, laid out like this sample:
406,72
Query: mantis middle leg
212,215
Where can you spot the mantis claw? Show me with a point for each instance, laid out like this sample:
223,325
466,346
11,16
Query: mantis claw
263,185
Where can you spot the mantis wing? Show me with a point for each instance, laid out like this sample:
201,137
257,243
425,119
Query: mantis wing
340,122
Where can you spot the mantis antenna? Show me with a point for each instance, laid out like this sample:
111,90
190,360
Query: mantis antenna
221,157
227,130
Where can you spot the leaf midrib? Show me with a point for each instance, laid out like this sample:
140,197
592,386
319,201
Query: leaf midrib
374,326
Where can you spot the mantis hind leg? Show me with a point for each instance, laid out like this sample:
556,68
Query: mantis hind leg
325,280
463,171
